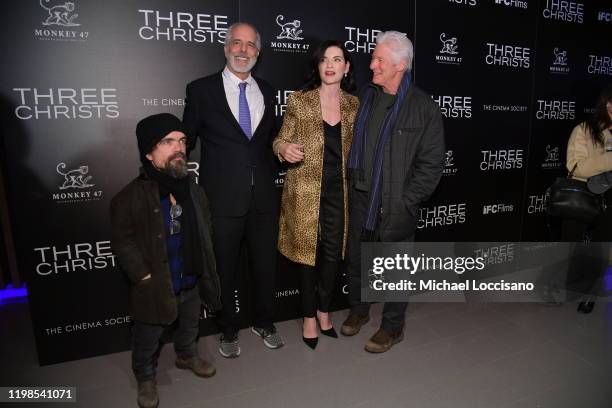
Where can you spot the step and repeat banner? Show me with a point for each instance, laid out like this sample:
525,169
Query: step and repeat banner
511,78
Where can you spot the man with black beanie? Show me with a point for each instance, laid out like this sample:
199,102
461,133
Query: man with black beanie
161,236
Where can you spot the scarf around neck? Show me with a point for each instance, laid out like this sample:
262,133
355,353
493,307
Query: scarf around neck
180,190
356,155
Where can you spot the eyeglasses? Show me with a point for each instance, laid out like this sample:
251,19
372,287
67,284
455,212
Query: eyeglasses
175,225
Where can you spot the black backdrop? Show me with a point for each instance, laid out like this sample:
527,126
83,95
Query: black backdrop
511,77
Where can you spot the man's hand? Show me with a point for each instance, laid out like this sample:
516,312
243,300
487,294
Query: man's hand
292,152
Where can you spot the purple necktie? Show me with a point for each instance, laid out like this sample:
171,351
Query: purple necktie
244,115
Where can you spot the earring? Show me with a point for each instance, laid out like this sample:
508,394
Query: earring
345,74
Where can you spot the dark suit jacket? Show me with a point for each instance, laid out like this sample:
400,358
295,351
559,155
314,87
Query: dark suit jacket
230,163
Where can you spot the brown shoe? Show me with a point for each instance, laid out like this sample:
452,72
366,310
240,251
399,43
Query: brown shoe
353,323
200,367
383,340
147,394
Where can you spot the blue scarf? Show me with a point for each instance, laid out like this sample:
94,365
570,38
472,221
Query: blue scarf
356,159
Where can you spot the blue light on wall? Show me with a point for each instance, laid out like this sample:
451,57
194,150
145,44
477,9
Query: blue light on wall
13,295
608,279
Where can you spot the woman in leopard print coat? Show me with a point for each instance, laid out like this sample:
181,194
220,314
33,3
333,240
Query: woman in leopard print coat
315,140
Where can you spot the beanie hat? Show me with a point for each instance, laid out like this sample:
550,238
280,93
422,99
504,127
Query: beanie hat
152,129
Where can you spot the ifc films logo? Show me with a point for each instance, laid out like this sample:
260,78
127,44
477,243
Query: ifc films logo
489,209
512,3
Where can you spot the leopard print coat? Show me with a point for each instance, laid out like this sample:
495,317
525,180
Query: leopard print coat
299,217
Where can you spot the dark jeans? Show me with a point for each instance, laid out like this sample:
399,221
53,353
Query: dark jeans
145,337
393,312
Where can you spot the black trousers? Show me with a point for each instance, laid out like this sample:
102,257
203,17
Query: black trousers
393,312
318,282
146,337
259,231
317,285
588,263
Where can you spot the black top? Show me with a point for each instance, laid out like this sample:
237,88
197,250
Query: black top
332,157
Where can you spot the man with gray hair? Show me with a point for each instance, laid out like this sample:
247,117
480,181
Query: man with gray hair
232,113
395,163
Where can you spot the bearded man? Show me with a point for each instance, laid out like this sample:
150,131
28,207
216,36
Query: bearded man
160,224
232,114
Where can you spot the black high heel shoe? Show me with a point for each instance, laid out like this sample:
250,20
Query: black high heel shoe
311,342
331,332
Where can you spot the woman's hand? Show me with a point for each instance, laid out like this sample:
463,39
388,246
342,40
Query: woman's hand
291,152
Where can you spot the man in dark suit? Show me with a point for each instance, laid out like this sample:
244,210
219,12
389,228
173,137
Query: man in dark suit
232,113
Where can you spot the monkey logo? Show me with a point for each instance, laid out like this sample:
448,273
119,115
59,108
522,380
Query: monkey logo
449,160
560,57
375,275
74,178
449,46
289,30
59,14
552,155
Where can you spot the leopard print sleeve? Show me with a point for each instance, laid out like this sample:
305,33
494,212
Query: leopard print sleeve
287,132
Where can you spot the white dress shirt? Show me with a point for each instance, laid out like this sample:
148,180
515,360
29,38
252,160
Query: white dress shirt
253,94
